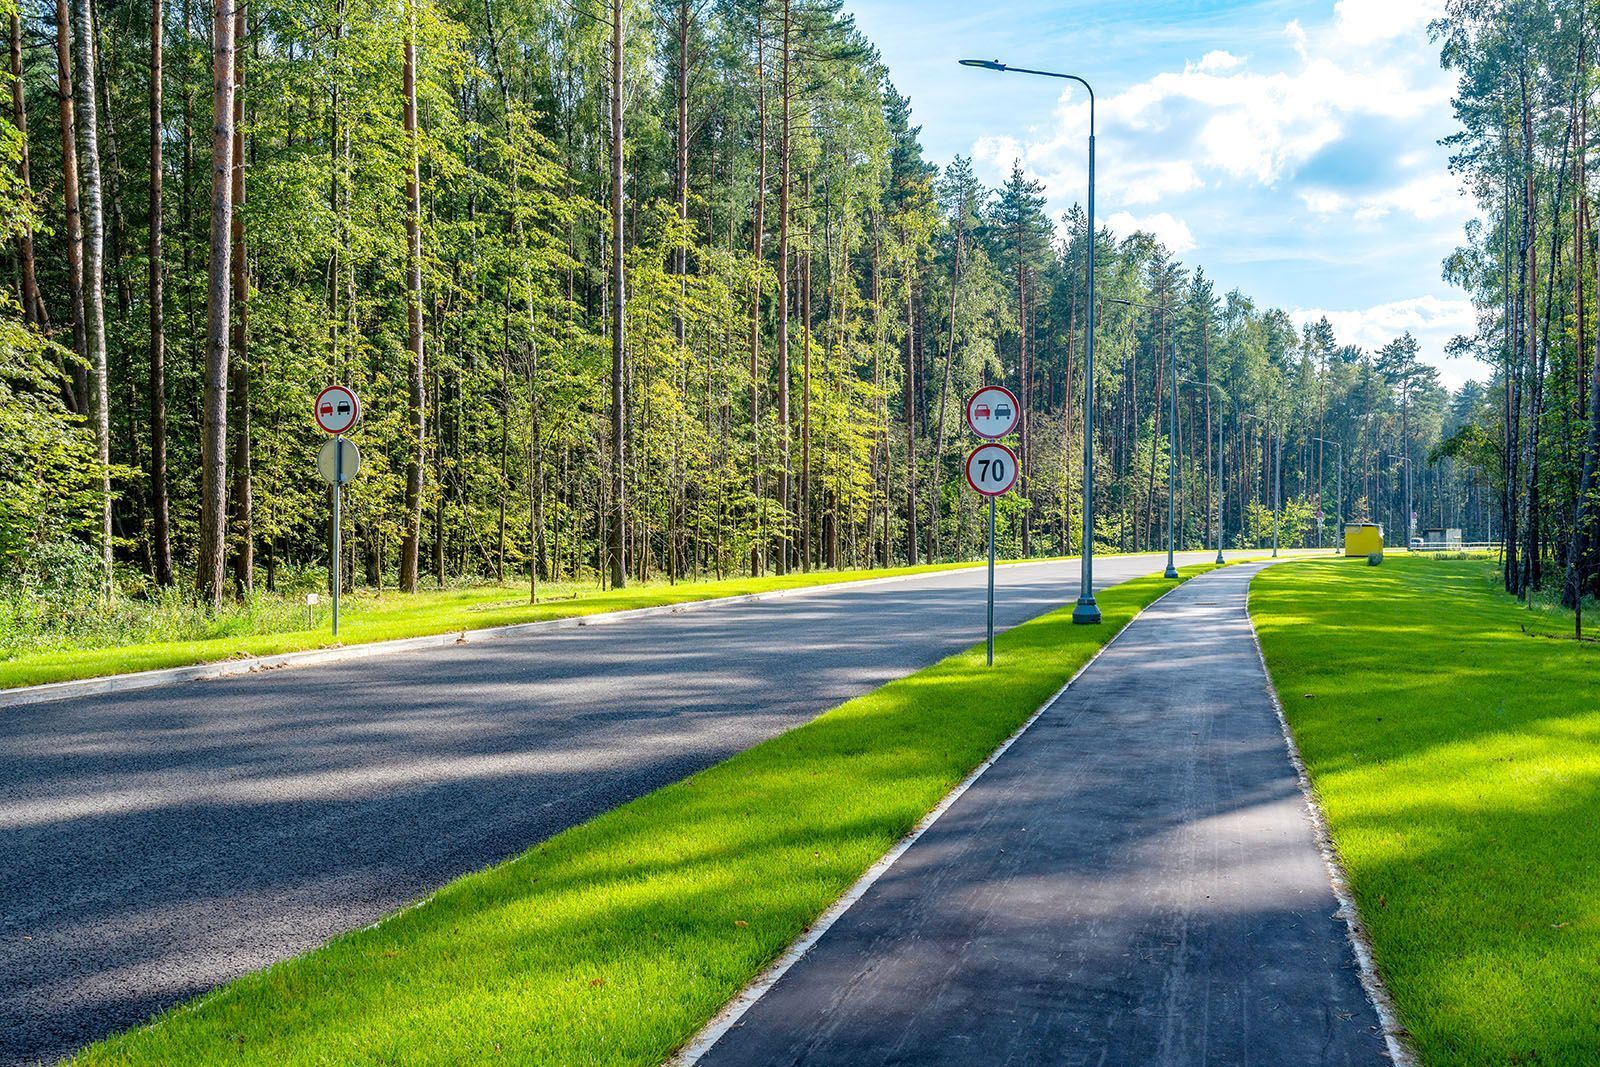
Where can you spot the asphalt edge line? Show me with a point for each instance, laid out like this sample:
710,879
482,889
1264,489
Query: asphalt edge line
23,696
736,1008
1394,1034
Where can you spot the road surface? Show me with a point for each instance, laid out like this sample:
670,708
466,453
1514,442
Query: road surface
157,843
1136,881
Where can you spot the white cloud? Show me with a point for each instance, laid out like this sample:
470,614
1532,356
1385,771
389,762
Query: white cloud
1365,22
1433,194
1229,125
1432,320
1217,61
1170,231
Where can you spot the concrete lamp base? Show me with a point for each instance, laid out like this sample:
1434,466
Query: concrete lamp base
1087,612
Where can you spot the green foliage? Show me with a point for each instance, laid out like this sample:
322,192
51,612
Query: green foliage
48,469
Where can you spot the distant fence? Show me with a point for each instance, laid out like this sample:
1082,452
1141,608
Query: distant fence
1458,546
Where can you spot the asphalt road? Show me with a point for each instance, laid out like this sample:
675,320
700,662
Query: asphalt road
1136,881
159,842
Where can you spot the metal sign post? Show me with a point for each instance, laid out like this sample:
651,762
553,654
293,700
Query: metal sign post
336,410
991,471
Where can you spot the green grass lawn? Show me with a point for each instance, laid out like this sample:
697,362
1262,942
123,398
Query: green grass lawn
615,941
365,618
1457,758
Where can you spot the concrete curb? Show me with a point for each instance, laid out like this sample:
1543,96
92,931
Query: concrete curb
23,696
726,1019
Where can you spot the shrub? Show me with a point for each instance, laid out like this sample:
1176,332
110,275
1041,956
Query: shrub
1374,559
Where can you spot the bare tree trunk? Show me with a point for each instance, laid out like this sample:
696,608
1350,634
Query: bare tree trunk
238,359
912,548
619,511
416,383
681,171
160,518
757,553
784,474
214,405
32,304
805,393
94,307
69,192
944,387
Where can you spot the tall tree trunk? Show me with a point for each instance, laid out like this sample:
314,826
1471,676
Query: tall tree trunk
759,209
160,519
94,308
786,507
805,391
913,550
214,404
619,510
32,304
681,169
238,358
70,201
944,385
416,380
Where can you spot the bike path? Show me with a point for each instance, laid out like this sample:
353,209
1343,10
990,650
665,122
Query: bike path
1137,880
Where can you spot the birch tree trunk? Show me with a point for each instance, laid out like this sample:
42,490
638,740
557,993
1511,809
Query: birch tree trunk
214,403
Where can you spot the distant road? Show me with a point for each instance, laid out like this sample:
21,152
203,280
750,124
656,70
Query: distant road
160,842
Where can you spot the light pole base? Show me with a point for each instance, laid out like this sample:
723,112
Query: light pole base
1171,572
1220,560
1087,612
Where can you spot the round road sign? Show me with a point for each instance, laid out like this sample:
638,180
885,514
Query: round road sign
338,461
992,469
993,412
336,409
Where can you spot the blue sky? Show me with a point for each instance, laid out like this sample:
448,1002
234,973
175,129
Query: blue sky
1289,147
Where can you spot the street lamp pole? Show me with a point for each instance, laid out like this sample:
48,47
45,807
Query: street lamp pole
1338,498
1172,470
1277,474
1172,437
1086,611
1218,498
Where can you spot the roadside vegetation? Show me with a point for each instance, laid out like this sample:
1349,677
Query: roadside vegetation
1453,739
615,941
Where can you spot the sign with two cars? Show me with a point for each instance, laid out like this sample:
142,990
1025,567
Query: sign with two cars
992,413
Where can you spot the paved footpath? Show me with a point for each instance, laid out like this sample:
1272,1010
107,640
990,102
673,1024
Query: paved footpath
1135,881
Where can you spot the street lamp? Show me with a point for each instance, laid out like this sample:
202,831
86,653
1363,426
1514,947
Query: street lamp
1222,392
1277,475
1338,499
1086,611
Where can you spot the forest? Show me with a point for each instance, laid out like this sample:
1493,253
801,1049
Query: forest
1522,103
666,290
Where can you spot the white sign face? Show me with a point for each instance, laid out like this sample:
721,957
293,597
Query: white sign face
337,409
992,469
338,461
993,412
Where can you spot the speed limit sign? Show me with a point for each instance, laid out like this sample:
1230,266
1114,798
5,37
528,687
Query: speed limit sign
992,469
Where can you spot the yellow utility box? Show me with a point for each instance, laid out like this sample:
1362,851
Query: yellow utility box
1363,538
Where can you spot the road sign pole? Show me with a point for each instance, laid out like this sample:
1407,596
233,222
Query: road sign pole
991,581
338,490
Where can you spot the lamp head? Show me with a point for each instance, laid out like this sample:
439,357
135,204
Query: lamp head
986,64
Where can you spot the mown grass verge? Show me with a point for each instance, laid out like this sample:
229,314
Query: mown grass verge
365,618
1457,758
614,941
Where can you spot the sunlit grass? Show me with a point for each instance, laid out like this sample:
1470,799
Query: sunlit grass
1453,739
615,941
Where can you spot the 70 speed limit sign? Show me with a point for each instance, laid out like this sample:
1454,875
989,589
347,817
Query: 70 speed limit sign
992,469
